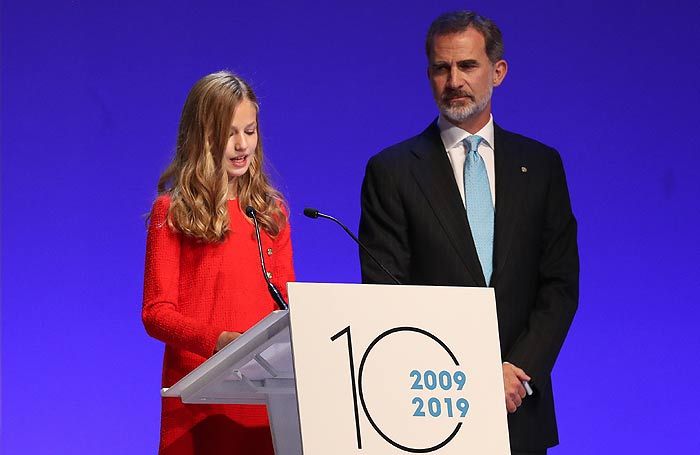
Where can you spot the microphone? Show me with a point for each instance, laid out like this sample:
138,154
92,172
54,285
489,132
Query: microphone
313,214
274,292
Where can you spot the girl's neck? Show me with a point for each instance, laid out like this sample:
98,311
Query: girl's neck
231,193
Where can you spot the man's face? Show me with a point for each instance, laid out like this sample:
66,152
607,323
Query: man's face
461,75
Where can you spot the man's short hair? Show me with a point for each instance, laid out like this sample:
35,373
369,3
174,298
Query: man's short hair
459,21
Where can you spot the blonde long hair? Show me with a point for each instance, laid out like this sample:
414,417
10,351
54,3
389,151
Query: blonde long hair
196,180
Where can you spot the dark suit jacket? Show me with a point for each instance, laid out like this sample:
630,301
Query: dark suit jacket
414,221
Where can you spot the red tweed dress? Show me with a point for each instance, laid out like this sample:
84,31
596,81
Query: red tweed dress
193,291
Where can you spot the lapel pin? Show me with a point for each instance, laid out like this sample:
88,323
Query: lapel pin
523,169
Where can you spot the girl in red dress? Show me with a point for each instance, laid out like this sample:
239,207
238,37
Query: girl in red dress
203,284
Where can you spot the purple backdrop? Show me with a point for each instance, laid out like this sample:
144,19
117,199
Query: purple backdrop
91,94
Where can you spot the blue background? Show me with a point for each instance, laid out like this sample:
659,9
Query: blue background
91,96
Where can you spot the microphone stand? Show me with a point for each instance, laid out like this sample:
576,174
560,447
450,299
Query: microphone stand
313,214
274,292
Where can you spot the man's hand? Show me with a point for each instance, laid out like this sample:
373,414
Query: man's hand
512,383
224,339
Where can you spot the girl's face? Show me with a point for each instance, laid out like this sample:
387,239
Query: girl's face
242,140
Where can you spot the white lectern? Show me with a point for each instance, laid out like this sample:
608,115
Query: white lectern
255,369
377,369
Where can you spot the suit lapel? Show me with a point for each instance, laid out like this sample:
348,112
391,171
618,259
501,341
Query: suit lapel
511,186
433,172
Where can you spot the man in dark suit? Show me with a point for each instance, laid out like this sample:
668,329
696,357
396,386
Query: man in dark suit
467,203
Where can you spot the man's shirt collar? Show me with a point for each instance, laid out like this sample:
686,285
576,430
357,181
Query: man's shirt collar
452,135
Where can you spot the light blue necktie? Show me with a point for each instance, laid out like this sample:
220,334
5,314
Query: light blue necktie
477,194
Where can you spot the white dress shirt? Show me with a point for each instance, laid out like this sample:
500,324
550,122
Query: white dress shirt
452,137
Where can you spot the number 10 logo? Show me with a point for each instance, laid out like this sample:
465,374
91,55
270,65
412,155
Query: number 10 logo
427,380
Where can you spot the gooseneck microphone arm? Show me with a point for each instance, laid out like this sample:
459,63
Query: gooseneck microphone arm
313,214
274,292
